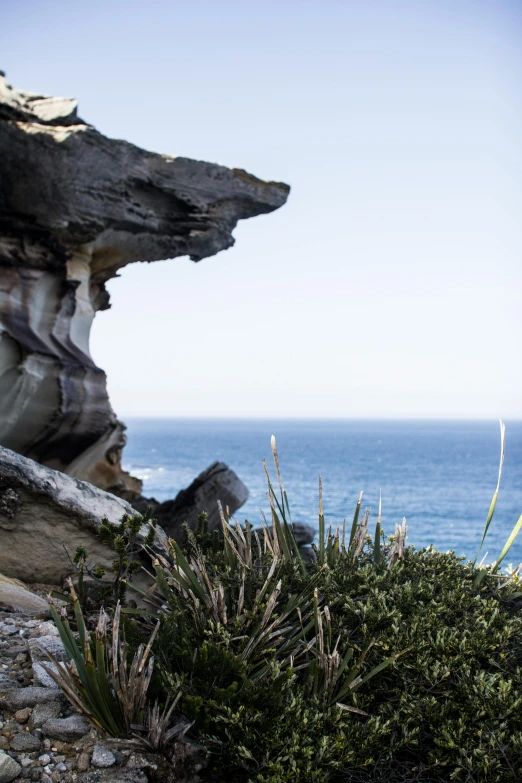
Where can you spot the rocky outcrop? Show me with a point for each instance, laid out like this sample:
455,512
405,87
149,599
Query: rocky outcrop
16,597
75,207
45,515
217,482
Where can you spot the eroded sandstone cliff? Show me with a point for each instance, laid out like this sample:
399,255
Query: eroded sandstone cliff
75,207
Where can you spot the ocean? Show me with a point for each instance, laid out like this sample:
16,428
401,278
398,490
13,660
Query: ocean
440,475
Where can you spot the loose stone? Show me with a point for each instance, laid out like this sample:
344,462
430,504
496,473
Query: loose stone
44,712
25,742
102,757
22,715
83,762
66,729
9,769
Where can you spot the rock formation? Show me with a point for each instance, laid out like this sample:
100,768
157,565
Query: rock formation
45,515
217,482
75,207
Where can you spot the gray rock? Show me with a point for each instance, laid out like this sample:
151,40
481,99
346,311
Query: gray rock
66,729
39,648
9,769
77,207
25,742
41,645
44,712
47,628
16,597
303,534
102,757
42,677
62,512
30,697
217,482
6,683
308,555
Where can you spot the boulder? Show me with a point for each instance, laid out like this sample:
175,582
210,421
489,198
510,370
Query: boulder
217,482
45,515
76,207
16,597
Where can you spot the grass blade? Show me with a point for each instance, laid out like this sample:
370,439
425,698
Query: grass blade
508,544
355,519
377,541
495,494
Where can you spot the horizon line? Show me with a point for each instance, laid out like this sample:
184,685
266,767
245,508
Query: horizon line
281,417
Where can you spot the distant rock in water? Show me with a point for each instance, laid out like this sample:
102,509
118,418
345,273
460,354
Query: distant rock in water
217,482
75,207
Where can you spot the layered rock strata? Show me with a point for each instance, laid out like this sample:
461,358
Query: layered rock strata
75,207
45,515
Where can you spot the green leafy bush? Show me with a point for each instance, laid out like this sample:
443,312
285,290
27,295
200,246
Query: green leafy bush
377,663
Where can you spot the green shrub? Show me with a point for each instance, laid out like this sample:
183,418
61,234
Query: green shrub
380,663
450,708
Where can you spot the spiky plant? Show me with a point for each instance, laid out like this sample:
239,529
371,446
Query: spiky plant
97,679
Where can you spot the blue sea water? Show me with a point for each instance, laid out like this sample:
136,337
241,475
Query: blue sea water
440,475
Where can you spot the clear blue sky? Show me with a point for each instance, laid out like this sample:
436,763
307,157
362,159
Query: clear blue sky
391,282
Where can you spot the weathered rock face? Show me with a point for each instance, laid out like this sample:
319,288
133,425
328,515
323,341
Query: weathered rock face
45,515
16,597
75,207
217,482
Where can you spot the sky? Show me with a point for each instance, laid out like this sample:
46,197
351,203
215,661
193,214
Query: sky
390,284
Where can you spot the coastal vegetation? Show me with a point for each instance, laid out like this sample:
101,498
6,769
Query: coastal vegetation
374,661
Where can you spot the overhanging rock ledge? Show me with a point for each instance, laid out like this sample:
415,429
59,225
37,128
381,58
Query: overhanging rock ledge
75,207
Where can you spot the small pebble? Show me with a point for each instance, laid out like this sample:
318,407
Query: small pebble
44,760
26,762
61,767
22,715
82,763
